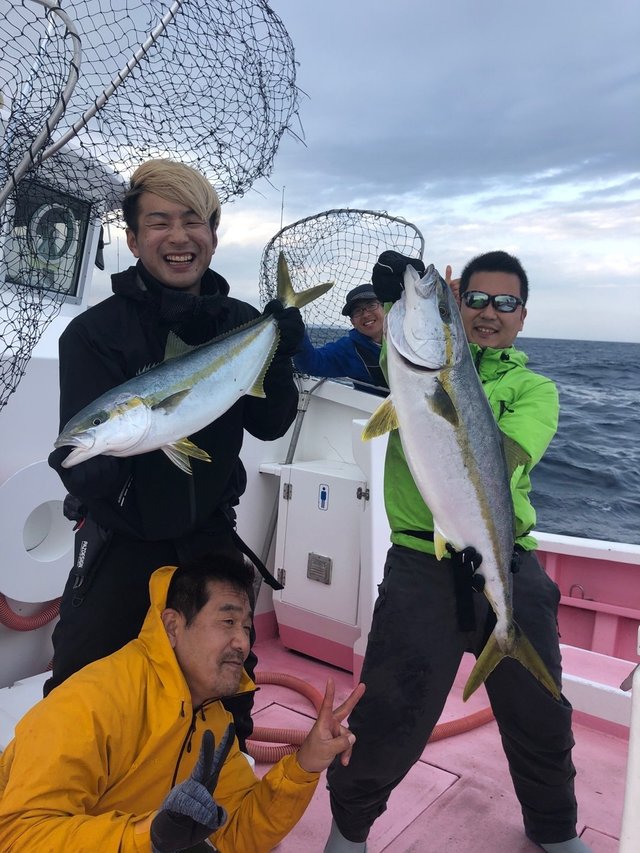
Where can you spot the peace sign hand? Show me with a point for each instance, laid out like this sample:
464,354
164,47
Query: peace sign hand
328,737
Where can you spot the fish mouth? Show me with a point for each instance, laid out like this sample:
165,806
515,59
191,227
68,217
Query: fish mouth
84,440
418,365
83,445
76,456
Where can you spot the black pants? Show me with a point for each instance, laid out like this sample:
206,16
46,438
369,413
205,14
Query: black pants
108,610
413,653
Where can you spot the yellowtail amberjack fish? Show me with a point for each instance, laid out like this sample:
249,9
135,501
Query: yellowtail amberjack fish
459,459
193,386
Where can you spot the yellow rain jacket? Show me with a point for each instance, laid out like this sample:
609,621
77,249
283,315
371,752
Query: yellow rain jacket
90,765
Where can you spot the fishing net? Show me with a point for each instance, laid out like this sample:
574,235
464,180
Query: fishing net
88,91
340,246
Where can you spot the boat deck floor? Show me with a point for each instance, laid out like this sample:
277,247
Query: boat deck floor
458,798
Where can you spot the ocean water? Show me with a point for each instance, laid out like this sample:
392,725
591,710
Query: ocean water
588,482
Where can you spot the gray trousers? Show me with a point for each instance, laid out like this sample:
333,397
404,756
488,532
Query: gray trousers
412,657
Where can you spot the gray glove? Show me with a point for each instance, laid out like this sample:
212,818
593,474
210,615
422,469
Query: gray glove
189,814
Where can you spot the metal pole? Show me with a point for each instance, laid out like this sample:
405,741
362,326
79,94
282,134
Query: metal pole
120,77
59,108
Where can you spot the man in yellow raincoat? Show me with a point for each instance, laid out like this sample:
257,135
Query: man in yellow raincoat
122,757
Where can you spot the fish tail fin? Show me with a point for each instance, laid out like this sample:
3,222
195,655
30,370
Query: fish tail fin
520,649
488,660
286,293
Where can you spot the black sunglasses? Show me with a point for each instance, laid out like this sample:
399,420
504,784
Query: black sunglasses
503,302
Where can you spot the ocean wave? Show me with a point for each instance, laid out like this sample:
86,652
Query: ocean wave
588,482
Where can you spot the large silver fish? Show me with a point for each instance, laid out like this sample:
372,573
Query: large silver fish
459,459
192,387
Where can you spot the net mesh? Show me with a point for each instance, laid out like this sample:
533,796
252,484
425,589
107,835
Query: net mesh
214,87
340,246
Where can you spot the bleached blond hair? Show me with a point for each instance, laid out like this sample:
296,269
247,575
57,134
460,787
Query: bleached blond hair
174,182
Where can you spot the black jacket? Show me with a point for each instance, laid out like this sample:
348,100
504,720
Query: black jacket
148,497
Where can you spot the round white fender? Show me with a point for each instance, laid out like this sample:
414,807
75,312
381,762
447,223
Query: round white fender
37,540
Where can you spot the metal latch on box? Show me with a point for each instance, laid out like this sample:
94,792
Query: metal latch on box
319,568
362,493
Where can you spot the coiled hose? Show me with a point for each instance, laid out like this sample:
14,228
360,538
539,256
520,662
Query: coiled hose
286,740
10,619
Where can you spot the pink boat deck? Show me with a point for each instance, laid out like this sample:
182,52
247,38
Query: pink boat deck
458,798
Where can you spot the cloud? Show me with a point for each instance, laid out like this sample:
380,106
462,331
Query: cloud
489,125
432,91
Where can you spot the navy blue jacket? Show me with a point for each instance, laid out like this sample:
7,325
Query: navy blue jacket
341,358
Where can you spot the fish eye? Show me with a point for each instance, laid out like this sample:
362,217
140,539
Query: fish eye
99,418
443,310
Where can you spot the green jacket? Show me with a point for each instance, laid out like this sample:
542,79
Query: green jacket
526,408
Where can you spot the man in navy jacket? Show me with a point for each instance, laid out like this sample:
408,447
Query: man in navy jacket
356,354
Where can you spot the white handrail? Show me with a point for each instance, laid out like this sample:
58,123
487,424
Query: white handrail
630,831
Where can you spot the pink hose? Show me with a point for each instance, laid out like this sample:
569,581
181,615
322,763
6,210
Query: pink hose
288,740
15,622
462,724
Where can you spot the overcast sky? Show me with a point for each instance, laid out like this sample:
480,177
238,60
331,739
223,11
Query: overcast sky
490,124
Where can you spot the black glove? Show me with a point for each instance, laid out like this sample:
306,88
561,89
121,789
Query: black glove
93,478
388,274
291,326
189,813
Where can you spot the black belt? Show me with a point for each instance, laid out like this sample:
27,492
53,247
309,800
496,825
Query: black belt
419,534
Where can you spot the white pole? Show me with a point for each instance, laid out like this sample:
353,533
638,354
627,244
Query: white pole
630,832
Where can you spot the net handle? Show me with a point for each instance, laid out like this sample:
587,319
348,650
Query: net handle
119,78
35,156
59,107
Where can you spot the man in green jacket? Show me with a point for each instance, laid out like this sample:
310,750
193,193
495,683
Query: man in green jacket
424,621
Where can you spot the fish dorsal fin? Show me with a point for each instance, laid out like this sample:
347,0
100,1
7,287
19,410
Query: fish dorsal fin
145,369
175,347
443,405
514,453
287,295
383,420
169,403
257,389
180,451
